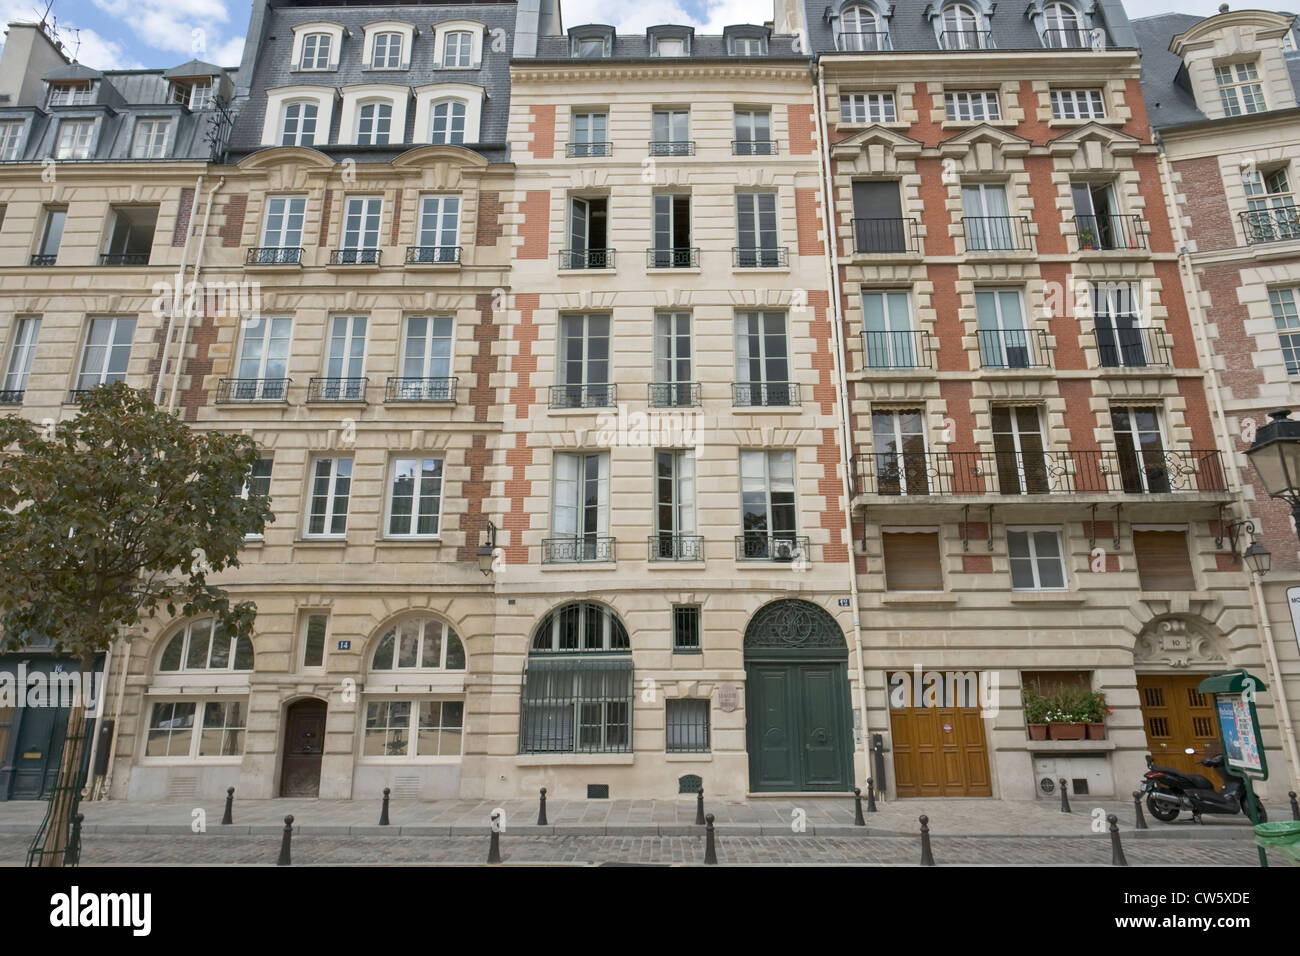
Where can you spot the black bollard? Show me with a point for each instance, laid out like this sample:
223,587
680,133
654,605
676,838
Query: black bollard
1065,796
699,806
871,795
494,846
1295,807
858,820
227,818
541,809
1137,808
927,858
1116,851
72,855
383,814
284,842
710,848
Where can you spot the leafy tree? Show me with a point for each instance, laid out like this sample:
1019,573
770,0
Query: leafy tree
105,519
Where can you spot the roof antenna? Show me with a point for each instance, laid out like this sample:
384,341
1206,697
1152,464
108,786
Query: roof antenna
76,43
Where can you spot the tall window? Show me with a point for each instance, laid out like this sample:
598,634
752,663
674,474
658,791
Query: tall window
345,359
11,137
282,228
590,134
415,498
1005,342
106,352
448,125
1037,562
902,466
361,216
315,52
299,125
672,385
263,364
672,232
374,123
439,229
387,53
1140,444
888,336
1078,104
580,508
878,224
151,137
963,28
671,132
1063,27
426,358
458,50
763,359
1239,88
756,230
583,362
313,640
986,217
588,234
867,108
1018,447
20,357
768,513
1273,215
327,501
1120,338
47,250
860,30
1096,217
674,538
75,137
972,106
1286,315
754,133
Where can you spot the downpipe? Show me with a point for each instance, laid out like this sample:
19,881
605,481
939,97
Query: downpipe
189,300
178,292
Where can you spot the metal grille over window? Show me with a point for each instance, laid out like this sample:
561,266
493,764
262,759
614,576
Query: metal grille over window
687,725
686,629
574,704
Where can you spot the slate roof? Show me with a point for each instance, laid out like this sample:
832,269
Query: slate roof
636,46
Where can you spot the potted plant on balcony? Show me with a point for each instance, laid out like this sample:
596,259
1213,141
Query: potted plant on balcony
1067,716
1087,238
1036,707
1096,712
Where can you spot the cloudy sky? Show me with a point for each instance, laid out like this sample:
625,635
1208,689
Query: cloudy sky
122,34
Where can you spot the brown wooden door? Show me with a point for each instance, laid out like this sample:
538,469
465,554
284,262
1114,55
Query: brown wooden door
940,752
1176,717
304,744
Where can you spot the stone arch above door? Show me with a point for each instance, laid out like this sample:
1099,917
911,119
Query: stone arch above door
1179,643
794,626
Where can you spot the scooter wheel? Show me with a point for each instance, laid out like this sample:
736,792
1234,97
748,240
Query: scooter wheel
1164,812
1259,810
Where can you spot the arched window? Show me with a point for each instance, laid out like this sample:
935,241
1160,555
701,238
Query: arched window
861,30
419,644
374,123
1063,27
299,125
448,123
577,693
203,645
963,28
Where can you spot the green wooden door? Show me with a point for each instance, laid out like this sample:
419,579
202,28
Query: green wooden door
798,726
826,747
773,758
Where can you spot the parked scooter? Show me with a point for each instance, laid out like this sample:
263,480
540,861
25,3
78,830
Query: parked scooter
1170,791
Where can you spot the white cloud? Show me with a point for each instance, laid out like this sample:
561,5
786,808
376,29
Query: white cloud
90,47
630,16
185,28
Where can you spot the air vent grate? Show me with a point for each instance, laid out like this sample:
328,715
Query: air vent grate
597,791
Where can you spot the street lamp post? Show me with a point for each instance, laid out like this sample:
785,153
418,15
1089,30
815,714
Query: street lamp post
1275,456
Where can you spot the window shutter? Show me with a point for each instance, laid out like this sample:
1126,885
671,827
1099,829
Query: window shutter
1163,562
912,562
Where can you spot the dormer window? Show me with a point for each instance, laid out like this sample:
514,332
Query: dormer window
747,46
1239,88
387,53
72,93
589,47
1063,27
315,52
670,47
962,28
860,30
194,94
374,123
458,51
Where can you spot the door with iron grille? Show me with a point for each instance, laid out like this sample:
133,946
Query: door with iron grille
1177,716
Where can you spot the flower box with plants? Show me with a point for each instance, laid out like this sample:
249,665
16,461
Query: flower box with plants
1065,714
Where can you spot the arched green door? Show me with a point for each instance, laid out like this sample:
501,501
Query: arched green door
798,723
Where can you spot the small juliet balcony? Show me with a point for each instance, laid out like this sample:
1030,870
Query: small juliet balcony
672,147
667,546
753,147
273,256
863,41
238,390
898,350
12,396
355,257
678,257
1132,348
1111,232
784,547
124,258
1075,38
409,389
324,388
1014,348
674,394
583,396
586,258
884,236
765,394
997,234
578,549
1265,225
966,40
775,257
587,150
433,255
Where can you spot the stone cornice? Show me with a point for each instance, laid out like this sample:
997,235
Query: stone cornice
585,71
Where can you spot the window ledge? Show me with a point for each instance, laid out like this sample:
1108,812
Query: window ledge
410,542
433,266
1062,598
748,269
669,270
918,597
273,267
1066,746
579,566
574,760
769,409
703,757
969,124
590,410
586,272
674,565
322,542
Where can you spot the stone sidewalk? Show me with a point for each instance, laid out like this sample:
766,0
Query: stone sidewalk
820,816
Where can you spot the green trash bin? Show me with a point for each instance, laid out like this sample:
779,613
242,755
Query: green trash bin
1283,835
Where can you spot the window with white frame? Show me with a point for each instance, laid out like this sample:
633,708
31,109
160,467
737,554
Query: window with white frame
327,500
769,519
447,124
11,138
458,50
589,47
361,218
73,93
345,358
21,351
1004,337
314,629
1064,27
1272,209
579,508
413,728
672,385
887,329
282,227
426,357
386,54
204,645
151,137
298,126
415,498
756,230
259,483
1083,104
107,351
590,134
262,366
972,106
754,132
901,463
1037,561
439,229
1286,316
1140,448
583,364
747,46
75,139
670,46
194,94
962,28
51,233
859,30
316,49
191,729
763,359
374,124
867,108
1239,88
986,217
674,503
419,644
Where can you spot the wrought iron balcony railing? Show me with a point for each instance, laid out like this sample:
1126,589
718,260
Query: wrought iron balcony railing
124,258
753,147
583,396
586,258
274,256
666,546
355,257
884,236
1014,348
996,233
763,394
585,150
674,394
676,258
858,41
324,388
573,549
76,395
1067,39
888,350
755,258
672,147
1011,473
966,40
1264,225
41,259
783,546
1109,232
231,390
432,255
11,396
408,389
1132,347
